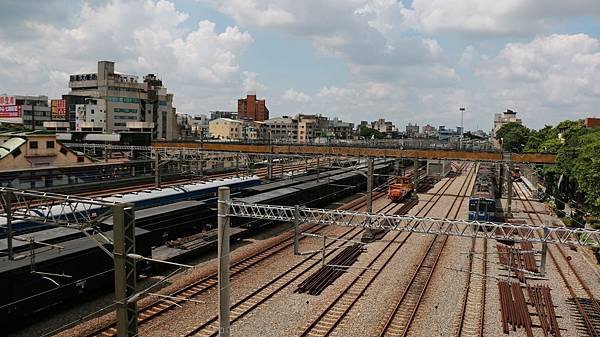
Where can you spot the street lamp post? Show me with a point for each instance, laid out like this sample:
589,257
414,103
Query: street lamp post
462,127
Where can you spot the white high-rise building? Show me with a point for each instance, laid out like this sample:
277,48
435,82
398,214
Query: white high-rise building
130,105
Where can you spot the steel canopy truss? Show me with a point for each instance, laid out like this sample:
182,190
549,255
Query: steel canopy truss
424,225
55,209
81,213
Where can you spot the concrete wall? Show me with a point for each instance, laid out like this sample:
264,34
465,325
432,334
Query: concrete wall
438,168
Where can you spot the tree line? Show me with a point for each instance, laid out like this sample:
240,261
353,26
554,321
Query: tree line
576,174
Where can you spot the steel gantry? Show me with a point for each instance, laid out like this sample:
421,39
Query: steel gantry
196,159
362,150
84,213
424,225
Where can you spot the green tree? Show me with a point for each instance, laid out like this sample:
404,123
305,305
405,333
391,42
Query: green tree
513,136
585,167
368,133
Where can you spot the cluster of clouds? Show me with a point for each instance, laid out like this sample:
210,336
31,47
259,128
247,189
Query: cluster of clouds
400,71
511,56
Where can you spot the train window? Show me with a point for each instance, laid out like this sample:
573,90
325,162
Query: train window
473,205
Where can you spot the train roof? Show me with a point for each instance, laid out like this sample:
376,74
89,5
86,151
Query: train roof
274,185
133,197
265,197
71,248
173,190
180,206
47,235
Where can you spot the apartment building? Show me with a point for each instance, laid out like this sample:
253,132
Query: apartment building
129,103
225,129
252,109
282,129
29,111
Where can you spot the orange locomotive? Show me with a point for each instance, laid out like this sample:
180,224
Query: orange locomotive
401,189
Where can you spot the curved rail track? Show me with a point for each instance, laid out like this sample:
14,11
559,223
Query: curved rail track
581,296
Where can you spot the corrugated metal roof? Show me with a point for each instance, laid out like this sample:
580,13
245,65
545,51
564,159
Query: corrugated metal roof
10,145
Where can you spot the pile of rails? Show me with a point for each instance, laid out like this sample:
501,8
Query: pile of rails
521,260
326,275
514,308
541,299
515,312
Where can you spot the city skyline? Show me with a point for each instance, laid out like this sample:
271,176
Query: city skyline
358,60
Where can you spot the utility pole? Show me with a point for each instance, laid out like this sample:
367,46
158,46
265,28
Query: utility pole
544,248
201,166
509,168
317,169
416,175
125,274
296,230
7,205
270,167
369,232
157,169
223,255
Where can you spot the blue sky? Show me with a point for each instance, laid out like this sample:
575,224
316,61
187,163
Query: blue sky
409,61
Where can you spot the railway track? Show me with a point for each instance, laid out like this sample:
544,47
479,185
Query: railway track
261,295
203,285
582,297
472,312
403,313
329,319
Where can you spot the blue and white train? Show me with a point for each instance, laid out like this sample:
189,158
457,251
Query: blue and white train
482,203
205,190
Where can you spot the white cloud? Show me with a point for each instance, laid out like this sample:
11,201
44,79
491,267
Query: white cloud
558,75
258,13
364,33
251,83
142,36
492,17
295,96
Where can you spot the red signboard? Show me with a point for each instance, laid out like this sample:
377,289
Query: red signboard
58,109
10,111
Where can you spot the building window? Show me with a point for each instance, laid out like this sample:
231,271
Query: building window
80,159
50,144
33,144
63,151
16,152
